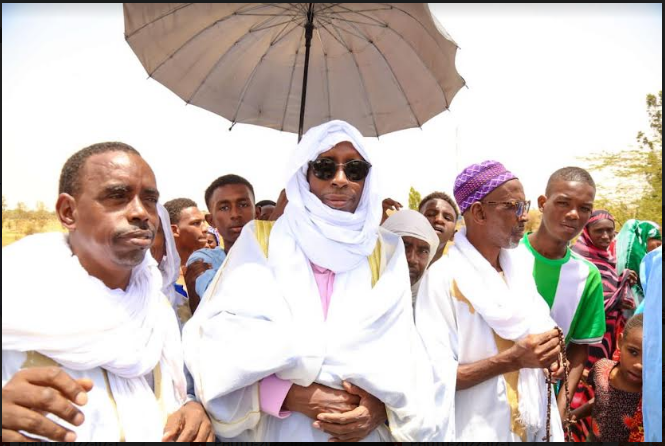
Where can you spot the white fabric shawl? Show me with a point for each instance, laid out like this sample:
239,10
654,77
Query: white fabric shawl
73,318
263,316
512,308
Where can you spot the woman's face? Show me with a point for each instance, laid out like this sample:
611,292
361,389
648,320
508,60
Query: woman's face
602,233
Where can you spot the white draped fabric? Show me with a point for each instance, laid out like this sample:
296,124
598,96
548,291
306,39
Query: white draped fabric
461,326
72,318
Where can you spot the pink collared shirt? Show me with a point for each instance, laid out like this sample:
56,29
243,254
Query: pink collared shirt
272,390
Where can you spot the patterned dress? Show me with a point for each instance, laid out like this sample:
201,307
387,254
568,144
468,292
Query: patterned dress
614,409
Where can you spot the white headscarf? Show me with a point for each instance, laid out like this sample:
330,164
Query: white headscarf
170,264
333,239
410,223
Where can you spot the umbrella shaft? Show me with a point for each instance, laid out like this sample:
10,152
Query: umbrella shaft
309,31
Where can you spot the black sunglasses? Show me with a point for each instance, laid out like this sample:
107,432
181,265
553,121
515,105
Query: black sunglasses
325,169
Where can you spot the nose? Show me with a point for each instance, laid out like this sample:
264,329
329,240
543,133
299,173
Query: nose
340,179
573,214
137,210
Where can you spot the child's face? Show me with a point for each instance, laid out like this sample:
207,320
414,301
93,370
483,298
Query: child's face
211,242
631,356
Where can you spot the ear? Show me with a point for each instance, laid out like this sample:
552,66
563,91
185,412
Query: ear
541,202
208,219
176,232
477,213
620,340
65,208
257,212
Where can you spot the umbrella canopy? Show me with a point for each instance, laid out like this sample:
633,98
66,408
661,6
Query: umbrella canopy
379,66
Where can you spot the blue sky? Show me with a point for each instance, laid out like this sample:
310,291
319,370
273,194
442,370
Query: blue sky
547,84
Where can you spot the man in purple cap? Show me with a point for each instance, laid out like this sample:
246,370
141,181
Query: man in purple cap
479,308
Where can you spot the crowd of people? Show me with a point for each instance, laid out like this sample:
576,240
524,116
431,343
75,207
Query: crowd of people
330,314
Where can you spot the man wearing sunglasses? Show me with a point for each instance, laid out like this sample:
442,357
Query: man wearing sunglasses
571,285
308,333
479,309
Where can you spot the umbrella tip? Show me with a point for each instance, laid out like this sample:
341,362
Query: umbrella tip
232,124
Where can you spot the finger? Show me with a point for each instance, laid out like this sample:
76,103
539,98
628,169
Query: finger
339,430
190,429
173,425
86,383
343,418
58,379
548,346
13,436
46,400
204,432
353,390
551,356
20,418
211,437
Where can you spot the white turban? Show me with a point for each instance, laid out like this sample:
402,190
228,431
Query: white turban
410,223
333,239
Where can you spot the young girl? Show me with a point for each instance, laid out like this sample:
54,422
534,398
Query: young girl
616,409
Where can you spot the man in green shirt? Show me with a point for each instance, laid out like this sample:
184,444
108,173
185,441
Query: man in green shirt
570,284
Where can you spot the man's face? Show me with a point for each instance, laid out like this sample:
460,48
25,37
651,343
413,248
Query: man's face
114,217
417,257
266,210
338,192
567,209
189,232
158,249
231,208
504,228
441,215
602,233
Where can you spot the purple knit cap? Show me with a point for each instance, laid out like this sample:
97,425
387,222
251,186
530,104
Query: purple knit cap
477,181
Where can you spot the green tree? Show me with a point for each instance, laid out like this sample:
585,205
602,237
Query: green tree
414,199
640,170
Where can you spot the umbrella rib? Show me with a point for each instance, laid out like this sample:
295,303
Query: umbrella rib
368,17
325,62
362,82
293,70
251,77
214,66
424,28
322,23
166,14
392,72
207,28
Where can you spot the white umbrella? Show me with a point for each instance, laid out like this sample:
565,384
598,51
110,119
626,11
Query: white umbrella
379,66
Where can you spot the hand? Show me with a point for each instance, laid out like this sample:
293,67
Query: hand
316,399
191,274
632,277
537,350
389,204
356,424
189,423
282,201
31,393
557,370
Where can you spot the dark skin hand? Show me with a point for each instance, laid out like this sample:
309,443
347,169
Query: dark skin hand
31,393
316,399
357,423
189,423
191,274
389,204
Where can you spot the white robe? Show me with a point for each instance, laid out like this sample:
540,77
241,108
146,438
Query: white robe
454,331
251,324
126,342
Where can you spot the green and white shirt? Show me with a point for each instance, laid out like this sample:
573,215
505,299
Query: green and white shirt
573,289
